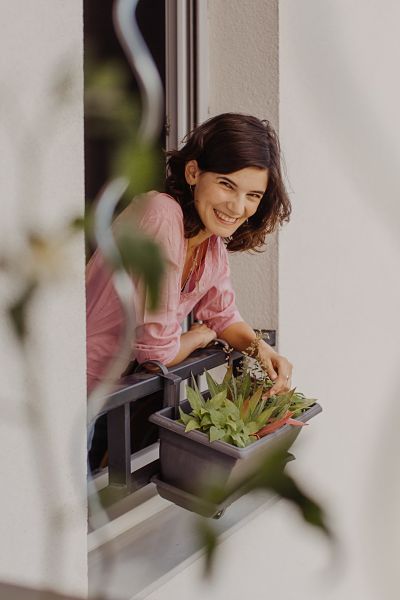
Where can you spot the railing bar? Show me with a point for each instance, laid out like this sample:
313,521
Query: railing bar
138,388
142,476
119,446
138,479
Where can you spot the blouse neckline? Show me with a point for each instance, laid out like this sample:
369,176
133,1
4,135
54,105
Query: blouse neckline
204,268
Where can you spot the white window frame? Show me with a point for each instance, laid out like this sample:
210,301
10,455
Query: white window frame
187,73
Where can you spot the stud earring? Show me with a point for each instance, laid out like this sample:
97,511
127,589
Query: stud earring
192,189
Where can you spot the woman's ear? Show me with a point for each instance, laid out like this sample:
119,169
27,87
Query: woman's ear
192,172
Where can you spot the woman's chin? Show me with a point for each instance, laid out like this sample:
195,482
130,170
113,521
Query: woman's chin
222,229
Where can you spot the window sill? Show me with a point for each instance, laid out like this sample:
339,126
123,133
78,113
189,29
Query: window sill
156,540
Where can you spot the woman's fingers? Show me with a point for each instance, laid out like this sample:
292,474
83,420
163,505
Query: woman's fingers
210,335
283,369
207,334
271,371
278,367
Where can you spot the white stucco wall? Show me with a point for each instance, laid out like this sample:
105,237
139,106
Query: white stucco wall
243,64
339,297
42,430
339,285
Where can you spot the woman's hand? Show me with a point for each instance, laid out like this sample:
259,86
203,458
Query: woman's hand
278,368
206,335
242,337
198,336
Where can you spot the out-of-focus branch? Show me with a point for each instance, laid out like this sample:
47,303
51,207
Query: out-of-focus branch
143,66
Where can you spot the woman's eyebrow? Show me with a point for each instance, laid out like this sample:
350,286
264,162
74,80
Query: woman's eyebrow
235,185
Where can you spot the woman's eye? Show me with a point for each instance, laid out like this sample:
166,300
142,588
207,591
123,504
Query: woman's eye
226,184
255,197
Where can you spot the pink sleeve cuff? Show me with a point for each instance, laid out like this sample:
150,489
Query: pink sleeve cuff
217,309
154,341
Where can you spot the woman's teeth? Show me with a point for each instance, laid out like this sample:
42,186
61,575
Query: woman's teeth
224,217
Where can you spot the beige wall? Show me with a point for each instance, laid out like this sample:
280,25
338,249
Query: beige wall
42,430
339,282
243,63
339,298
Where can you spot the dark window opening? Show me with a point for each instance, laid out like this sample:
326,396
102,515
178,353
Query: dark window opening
105,63
112,101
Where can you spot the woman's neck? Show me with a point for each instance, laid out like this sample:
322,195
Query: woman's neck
198,239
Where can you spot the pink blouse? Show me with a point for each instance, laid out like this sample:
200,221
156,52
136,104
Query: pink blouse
157,333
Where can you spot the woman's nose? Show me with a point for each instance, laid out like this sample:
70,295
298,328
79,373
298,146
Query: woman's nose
236,206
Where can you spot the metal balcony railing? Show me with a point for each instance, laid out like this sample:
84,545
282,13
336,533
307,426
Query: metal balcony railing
121,481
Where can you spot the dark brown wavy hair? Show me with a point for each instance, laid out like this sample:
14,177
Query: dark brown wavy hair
225,144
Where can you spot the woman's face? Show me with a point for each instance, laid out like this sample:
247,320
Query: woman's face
224,202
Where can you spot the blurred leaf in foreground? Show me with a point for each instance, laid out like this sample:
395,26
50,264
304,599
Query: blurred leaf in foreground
208,540
17,311
142,257
268,475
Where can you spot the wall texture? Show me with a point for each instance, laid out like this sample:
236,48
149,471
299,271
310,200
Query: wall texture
339,285
243,55
339,294
42,387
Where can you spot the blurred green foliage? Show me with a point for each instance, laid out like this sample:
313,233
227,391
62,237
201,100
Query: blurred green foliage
17,310
142,257
270,475
112,119
112,116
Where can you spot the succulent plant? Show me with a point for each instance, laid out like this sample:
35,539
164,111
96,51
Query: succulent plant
241,410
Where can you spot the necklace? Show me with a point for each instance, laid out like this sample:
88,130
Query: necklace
195,263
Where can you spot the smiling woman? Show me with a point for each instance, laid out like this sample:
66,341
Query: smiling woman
224,192
225,203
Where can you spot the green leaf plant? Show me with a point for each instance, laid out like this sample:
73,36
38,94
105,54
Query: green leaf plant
240,410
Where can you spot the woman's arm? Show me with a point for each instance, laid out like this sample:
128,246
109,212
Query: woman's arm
241,337
198,337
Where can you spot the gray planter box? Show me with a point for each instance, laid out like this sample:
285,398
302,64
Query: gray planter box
189,462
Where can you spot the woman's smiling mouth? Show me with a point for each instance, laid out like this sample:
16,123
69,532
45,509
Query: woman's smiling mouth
224,218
